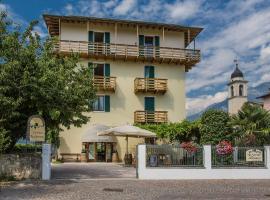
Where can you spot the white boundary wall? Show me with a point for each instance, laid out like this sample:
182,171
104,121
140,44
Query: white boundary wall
201,173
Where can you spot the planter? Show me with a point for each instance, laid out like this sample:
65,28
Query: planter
83,157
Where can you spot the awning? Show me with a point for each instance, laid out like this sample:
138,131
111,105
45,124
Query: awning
91,135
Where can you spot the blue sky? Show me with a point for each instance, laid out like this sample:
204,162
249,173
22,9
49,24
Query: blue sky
232,28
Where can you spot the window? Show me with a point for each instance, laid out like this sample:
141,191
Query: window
99,104
232,92
102,103
241,90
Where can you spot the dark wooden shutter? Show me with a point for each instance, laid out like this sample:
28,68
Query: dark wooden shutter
141,40
107,37
107,70
91,36
149,104
149,72
107,103
157,49
141,45
157,41
90,40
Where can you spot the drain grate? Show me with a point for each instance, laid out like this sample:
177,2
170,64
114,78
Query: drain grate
113,189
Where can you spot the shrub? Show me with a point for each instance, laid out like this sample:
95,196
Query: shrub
215,127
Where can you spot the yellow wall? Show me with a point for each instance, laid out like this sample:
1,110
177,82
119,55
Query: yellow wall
124,101
78,32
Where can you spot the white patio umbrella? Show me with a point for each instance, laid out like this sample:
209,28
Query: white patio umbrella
127,131
90,134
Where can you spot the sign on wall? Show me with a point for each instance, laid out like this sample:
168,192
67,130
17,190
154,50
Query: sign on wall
254,155
36,129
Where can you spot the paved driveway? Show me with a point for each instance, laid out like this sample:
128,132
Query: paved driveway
92,171
136,190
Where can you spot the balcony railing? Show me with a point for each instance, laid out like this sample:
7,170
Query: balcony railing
130,52
150,116
151,85
105,83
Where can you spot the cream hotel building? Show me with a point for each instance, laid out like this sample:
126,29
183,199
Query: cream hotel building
139,71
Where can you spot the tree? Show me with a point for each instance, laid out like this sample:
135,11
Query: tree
4,140
215,127
176,132
36,80
252,125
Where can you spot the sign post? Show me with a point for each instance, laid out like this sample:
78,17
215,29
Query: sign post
36,133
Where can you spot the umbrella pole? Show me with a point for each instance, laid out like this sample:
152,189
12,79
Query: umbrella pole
126,145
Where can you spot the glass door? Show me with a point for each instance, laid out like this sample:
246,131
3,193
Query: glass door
91,151
101,152
109,152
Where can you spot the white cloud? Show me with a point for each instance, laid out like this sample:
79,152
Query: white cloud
69,9
195,105
124,7
182,10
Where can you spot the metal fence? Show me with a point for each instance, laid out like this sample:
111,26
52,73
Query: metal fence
173,156
239,157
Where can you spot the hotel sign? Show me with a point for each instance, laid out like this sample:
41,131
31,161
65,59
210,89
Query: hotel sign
36,128
254,155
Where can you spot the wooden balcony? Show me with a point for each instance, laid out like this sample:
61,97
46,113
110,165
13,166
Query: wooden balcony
150,117
125,52
103,83
150,85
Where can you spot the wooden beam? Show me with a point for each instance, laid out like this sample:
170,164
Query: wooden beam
115,33
188,36
163,33
137,33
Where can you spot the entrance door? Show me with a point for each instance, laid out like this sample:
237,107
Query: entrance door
101,152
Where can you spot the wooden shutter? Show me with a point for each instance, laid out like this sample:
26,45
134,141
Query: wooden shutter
149,103
107,70
157,41
157,49
107,37
91,36
141,40
107,103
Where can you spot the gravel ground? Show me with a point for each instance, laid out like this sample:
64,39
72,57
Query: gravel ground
136,189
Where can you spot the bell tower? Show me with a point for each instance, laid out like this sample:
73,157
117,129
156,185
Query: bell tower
237,90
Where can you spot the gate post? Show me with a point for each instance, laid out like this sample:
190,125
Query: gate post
46,161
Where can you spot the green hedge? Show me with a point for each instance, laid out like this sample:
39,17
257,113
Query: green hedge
27,148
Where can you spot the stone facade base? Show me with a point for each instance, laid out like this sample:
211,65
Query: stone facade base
21,166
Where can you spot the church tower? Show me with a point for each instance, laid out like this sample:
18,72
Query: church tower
237,90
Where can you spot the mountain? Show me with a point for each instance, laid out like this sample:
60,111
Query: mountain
253,93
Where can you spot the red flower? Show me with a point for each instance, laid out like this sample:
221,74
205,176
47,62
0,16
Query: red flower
189,146
224,148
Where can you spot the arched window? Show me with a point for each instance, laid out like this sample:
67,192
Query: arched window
232,92
241,90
